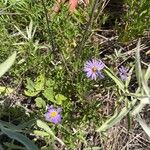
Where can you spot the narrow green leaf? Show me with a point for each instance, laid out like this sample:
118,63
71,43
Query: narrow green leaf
145,87
93,148
143,125
45,127
4,67
14,147
129,121
116,117
129,78
20,138
138,64
138,108
147,74
115,79
21,33
26,124
9,125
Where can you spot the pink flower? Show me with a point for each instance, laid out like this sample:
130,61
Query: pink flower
72,5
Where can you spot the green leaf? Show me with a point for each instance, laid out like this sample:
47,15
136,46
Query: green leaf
41,133
4,67
13,146
50,83
137,109
139,73
40,103
115,79
138,64
60,98
129,121
9,125
143,125
147,74
49,94
26,124
127,82
93,148
46,128
19,137
116,117
30,85
39,85
31,93
6,90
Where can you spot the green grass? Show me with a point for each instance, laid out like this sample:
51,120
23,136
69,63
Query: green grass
51,51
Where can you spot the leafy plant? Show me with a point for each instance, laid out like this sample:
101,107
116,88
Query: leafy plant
11,130
47,131
141,96
46,88
136,22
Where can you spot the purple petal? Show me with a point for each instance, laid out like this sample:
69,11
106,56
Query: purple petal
89,65
87,69
100,74
89,73
56,119
93,76
123,72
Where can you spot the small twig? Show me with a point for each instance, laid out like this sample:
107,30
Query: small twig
105,3
65,65
89,24
50,33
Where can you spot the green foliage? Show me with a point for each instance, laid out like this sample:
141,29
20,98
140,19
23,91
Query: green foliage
13,132
143,99
49,71
40,103
5,90
19,137
47,129
34,89
4,67
46,88
136,19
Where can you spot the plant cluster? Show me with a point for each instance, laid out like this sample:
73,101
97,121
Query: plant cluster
53,95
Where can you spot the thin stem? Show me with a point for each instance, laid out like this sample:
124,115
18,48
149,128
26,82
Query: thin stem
50,32
89,24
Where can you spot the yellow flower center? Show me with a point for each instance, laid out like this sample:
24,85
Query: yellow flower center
53,114
94,69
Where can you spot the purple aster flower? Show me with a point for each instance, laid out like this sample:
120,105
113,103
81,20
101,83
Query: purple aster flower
53,115
123,72
93,68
